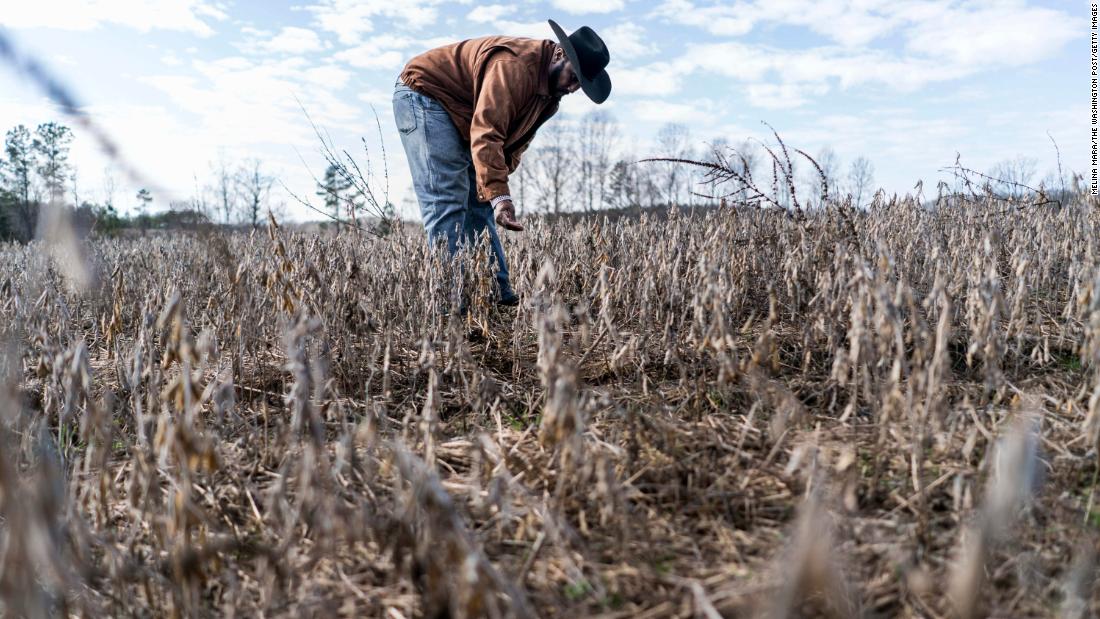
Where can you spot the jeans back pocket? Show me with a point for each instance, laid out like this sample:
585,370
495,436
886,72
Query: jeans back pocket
404,112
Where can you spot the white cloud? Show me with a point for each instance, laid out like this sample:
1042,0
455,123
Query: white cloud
349,20
581,7
577,104
328,75
847,22
657,111
534,30
255,33
850,23
653,80
421,45
781,96
384,51
63,60
886,137
167,150
291,40
381,99
736,60
29,114
488,13
627,40
782,78
494,14
968,32
211,10
384,60
245,102
994,36
719,19
144,15
252,108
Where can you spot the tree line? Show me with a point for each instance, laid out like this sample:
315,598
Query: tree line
36,172
34,169
573,166
587,165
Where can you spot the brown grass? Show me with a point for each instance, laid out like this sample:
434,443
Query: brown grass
888,413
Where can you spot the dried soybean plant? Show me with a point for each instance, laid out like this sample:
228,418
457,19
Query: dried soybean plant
683,411
732,167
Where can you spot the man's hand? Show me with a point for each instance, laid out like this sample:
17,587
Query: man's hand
505,216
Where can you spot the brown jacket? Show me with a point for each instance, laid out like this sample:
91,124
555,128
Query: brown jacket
497,92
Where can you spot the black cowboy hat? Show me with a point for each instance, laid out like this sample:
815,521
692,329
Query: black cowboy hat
586,50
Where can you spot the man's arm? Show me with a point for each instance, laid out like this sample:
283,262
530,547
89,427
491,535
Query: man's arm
505,81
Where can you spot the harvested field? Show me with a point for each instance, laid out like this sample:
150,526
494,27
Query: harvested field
884,413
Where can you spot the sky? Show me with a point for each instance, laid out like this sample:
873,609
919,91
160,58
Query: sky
181,84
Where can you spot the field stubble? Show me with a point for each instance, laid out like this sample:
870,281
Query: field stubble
889,413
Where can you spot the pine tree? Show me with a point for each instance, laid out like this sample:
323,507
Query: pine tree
51,143
332,189
6,203
21,161
144,200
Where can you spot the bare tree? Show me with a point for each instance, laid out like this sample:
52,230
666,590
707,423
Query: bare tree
717,145
110,186
520,183
200,202
225,189
861,179
673,180
717,149
255,188
1013,175
597,137
623,190
631,186
552,167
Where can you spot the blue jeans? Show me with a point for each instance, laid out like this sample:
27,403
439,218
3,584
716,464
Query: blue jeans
443,179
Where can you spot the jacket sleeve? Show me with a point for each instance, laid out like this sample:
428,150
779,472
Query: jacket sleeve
504,82
517,155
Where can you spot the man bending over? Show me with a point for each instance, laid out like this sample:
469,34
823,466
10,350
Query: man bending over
467,111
